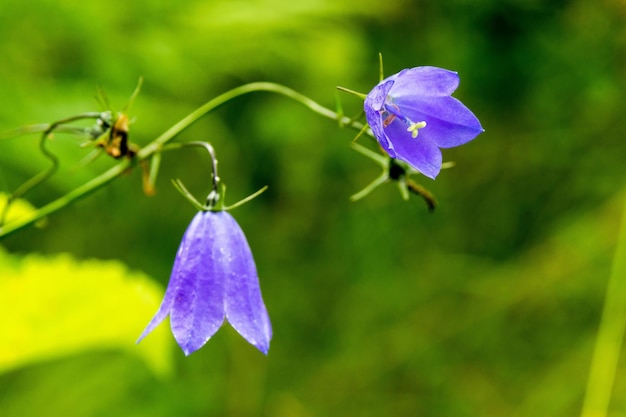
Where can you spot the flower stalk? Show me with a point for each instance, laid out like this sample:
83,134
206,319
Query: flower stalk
411,114
157,145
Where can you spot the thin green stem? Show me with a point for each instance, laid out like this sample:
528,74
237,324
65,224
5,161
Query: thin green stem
180,187
246,199
34,181
380,180
42,127
44,175
67,199
213,197
610,335
354,93
234,93
155,165
156,146
376,157
209,148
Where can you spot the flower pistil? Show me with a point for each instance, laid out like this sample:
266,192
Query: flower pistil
393,111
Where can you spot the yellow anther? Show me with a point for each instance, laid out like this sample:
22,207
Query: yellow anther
414,127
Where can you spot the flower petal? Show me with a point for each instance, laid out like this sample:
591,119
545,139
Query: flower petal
244,306
174,285
375,99
374,102
198,308
162,312
448,122
421,153
424,82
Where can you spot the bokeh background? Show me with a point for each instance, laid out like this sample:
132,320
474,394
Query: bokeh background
488,306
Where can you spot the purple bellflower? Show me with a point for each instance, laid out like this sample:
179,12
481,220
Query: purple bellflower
214,278
413,115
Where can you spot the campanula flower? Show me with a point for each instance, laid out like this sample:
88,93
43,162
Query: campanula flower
413,115
214,278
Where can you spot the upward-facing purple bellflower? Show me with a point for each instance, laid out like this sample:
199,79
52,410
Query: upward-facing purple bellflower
214,278
412,114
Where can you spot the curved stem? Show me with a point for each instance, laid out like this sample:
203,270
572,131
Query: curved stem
44,175
234,93
156,146
67,199
32,182
213,196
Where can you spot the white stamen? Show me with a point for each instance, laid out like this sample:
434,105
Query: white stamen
414,127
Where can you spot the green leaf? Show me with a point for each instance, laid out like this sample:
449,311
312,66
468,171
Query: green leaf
55,306
19,208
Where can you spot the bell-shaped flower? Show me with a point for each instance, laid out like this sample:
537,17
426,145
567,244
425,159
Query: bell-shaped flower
413,115
214,278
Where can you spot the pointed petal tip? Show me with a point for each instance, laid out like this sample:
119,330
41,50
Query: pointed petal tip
264,348
189,343
261,340
428,170
140,339
156,320
189,348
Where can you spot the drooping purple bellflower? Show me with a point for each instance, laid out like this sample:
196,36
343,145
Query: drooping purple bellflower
413,115
214,278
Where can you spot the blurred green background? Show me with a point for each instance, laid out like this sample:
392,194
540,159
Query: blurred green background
489,306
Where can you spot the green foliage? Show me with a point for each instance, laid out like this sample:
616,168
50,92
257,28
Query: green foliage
56,306
19,209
